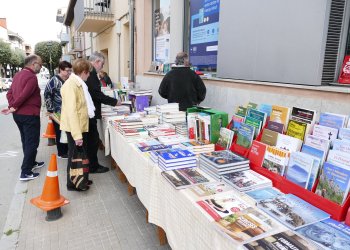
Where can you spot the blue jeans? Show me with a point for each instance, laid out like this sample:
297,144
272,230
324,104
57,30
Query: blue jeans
29,128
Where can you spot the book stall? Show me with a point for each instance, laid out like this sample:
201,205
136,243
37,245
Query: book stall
273,177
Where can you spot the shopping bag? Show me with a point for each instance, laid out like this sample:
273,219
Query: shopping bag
79,169
63,138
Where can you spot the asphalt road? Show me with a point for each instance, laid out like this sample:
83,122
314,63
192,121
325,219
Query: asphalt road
10,160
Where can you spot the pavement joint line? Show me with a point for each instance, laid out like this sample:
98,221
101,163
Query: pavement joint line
14,216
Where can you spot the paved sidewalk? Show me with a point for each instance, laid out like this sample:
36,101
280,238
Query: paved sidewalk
104,217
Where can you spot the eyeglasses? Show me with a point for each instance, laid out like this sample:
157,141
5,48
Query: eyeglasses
38,63
68,70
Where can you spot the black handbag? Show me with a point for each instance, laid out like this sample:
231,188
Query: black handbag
79,169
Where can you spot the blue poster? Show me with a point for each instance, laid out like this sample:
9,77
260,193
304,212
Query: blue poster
204,32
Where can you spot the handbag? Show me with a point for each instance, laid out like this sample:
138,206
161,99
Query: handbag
79,168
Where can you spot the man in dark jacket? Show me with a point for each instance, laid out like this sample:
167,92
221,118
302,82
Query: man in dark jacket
94,85
25,102
182,85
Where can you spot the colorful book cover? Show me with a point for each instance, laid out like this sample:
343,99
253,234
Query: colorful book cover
324,132
224,158
332,120
211,188
195,175
176,155
246,224
276,160
292,211
177,180
241,111
319,153
245,135
275,126
296,129
258,115
288,143
264,193
236,122
223,205
256,123
269,137
317,142
266,108
341,145
252,105
334,183
281,241
246,180
344,133
141,102
226,137
257,153
153,147
329,234
339,158
280,114
305,114
299,168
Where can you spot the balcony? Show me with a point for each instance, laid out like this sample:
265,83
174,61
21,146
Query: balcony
64,38
77,44
92,15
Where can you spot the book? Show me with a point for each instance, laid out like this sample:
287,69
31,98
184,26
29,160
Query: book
182,178
324,132
266,108
288,143
222,205
264,193
299,168
334,183
332,120
247,180
223,158
339,158
275,126
211,188
245,135
153,147
255,123
281,241
344,133
292,211
258,115
177,180
307,115
175,156
236,122
280,114
328,234
341,145
317,142
252,105
241,111
246,224
269,137
276,160
319,153
226,137
296,129
195,175
257,153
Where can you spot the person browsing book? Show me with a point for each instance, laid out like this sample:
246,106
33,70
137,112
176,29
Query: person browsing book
182,85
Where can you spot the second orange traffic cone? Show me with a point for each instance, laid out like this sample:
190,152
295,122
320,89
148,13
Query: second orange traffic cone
51,200
50,133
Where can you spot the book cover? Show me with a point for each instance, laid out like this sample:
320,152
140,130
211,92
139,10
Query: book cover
269,137
176,155
280,114
266,108
276,160
332,120
241,111
252,105
257,153
258,115
246,180
324,132
245,135
328,234
305,114
256,123
226,137
281,241
344,133
341,145
211,188
334,183
292,211
299,168
275,126
224,158
246,224
153,147
223,205
317,142
296,129
236,122
288,143
319,153
339,158
264,193
177,180
195,175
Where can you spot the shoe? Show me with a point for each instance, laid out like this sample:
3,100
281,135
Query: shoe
72,188
28,177
37,165
89,182
64,156
99,170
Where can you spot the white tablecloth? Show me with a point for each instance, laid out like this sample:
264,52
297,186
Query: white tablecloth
173,210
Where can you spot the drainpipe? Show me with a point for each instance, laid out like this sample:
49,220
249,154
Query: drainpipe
119,31
132,29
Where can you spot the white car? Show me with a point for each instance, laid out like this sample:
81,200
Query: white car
8,83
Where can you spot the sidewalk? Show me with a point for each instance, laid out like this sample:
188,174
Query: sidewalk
104,217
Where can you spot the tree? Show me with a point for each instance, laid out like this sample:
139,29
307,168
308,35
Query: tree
16,60
47,48
5,54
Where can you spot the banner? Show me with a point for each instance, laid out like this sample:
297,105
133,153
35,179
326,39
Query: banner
162,32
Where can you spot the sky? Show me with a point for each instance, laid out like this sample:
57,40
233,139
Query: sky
33,20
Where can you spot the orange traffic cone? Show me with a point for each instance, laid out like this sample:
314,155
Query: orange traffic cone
50,200
50,133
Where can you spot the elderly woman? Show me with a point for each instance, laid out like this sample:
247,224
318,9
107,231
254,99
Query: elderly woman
77,108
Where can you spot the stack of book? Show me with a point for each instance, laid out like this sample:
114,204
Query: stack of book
176,159
152,110
149,120
198,147
247,180
173,117
181,128
140,92
167,108
151,145
129,124
218,163
172,139
121,110
161,130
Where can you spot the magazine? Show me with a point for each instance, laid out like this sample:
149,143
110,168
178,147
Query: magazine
226,137
223,158
211,188
264,193
182,178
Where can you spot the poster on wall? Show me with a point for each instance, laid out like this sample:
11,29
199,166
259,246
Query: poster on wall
204,33
162,32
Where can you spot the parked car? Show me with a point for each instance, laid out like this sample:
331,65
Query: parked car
2,85
5,83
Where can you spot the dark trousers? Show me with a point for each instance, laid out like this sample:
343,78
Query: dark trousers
71,147
62,148
29,128
93,143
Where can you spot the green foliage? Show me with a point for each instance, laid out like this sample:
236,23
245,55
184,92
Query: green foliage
17,58
5,53
44,49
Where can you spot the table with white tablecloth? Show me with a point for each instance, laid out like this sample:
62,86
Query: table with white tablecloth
173,210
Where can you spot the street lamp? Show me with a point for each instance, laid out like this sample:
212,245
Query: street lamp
49,45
